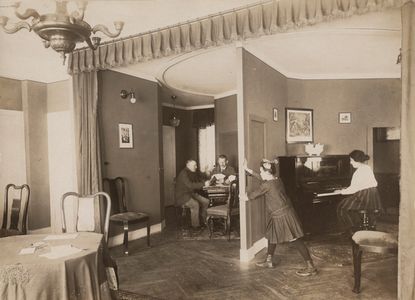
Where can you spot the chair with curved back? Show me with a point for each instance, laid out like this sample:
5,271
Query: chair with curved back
16,203
120,214
84,216
225,212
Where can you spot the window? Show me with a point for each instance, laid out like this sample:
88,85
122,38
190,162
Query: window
206,147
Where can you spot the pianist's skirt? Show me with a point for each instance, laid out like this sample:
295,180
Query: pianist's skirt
367,199
283,226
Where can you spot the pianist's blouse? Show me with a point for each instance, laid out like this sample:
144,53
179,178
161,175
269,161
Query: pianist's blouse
363,178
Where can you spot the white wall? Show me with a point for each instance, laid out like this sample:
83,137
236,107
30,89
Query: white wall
12,151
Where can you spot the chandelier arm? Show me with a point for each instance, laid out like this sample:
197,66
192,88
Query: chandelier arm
30,12
14,27
104,29
88,41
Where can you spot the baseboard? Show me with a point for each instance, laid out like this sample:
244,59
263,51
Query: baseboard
133,235
248,254
40,230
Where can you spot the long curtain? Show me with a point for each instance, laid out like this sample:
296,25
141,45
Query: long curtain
406,263
87,142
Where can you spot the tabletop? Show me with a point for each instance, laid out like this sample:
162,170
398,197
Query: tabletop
80,275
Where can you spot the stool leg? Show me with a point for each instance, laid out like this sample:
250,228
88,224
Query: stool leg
357,260
125,242
148,233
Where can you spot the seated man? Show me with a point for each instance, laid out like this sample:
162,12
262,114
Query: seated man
187,184
223,171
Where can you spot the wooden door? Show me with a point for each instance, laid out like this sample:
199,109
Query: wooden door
256,152
169,162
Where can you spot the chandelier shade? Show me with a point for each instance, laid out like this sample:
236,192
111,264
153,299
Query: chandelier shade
60,30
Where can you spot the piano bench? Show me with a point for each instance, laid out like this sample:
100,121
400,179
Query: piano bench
368,218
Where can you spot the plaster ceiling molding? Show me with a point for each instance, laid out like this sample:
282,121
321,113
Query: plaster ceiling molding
206,73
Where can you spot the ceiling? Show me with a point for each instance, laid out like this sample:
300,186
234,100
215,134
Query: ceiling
362,46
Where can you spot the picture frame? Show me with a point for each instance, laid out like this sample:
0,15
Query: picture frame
275,114
125,135
299,125
345,117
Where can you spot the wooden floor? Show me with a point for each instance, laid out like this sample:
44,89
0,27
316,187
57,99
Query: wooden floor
210,269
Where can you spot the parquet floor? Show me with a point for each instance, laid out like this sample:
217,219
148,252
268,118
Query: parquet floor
210,269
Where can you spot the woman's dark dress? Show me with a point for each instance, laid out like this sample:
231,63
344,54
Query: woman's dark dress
282,221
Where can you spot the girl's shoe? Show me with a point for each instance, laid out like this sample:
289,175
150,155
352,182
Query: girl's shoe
267,263
309,271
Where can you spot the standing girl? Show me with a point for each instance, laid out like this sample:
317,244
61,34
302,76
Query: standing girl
362,190
283,224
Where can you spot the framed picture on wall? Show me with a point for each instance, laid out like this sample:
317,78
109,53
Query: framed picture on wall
275,114
125,135
345,118
299,125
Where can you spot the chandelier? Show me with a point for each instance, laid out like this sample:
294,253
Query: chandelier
60,30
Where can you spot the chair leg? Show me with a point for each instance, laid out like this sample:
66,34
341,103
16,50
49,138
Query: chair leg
125,242
228,225
357,260
148,233
210,225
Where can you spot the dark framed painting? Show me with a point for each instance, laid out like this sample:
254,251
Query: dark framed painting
299,125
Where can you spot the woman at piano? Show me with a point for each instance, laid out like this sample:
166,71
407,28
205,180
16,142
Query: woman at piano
363,193
283,224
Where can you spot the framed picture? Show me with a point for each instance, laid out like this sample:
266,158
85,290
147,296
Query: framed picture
299,125
125,134
275,114
345,118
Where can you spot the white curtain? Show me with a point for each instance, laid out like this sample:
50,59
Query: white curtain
248,22
207,148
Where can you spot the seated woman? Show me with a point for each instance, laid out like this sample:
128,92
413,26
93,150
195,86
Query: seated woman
283,224
362,190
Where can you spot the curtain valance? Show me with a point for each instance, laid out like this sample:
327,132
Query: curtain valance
248,22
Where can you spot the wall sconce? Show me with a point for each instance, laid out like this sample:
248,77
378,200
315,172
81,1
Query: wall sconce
124,94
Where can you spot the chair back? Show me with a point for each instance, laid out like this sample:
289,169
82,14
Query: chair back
115,187
16,203
233,199
83,214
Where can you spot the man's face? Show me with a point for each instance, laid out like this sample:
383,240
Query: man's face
222,162
192,166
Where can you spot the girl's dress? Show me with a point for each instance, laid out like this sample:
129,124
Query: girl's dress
283,224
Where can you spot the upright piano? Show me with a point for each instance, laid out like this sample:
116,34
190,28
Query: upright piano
310,182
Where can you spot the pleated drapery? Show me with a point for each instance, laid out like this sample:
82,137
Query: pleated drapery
406,261
87,142
248,22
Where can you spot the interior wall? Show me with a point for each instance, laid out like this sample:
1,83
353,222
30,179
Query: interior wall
368,100
226,129
34,103
10,94
186,136
264,89
141,164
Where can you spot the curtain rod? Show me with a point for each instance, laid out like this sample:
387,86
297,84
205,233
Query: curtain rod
178,24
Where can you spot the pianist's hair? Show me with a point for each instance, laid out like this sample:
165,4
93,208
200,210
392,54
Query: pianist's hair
269,166
359,156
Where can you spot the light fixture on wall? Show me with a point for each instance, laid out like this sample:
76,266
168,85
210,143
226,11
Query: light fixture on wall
60,30
174,121
124,94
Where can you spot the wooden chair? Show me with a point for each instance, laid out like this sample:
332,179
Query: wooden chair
120,214
225,212
370,241
16,202
83,217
